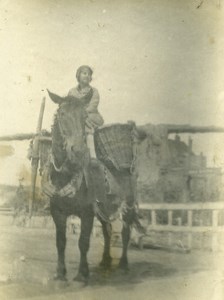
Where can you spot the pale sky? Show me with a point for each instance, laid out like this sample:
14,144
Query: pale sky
155,61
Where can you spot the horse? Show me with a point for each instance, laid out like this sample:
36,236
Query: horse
76,187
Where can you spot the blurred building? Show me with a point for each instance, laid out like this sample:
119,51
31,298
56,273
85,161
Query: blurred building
170,171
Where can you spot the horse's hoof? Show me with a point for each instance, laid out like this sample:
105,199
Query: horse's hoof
105,264
123,265
58,277
81,278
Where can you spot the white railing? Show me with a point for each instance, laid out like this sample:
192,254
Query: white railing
215,229
6,211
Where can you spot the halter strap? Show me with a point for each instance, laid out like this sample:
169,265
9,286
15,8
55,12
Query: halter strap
54,165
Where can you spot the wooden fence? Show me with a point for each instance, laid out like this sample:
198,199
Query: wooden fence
172,226
7,211
216,228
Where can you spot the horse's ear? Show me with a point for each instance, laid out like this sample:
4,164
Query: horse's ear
55,98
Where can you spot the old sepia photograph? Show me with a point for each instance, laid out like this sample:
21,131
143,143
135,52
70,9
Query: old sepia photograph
112,149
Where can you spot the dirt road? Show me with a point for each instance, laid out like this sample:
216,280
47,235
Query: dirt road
28,262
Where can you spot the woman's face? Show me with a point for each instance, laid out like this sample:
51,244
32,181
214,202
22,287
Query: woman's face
85,76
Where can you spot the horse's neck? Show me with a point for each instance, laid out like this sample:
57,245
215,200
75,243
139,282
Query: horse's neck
58,141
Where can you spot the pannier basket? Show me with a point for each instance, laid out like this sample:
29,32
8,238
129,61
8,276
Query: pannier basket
114,145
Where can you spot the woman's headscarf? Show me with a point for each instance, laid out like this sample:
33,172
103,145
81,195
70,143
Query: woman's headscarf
80,69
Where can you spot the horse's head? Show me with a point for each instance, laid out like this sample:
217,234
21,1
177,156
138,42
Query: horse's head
69,128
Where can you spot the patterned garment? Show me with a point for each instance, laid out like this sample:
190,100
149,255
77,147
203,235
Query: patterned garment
94,118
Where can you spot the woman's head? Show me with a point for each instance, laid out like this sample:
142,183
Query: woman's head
84,74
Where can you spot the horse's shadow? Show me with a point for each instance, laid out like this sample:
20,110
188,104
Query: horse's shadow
137,273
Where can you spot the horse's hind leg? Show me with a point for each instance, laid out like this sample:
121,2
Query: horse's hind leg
60,224
128,218
86,229
107,231
125,234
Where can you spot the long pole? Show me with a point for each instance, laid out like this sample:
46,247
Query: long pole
17,137
35,157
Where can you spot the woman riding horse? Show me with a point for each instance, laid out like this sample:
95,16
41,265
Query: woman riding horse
75,187
84,90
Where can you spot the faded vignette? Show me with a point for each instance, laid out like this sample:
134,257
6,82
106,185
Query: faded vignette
154,62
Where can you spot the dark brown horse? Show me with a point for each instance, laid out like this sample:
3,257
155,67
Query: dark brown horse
76,187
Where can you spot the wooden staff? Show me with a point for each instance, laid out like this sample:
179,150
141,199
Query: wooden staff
35,157
174,128
17,137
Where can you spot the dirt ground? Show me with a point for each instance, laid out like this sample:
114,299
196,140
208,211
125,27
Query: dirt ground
28,262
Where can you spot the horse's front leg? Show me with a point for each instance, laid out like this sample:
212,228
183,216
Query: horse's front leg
60,224
84,240
107,232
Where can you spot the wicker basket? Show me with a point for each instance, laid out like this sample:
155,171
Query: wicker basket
114,145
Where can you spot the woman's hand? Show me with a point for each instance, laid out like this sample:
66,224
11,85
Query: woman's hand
67,191
49,189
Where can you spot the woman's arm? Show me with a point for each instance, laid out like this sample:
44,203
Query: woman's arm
94,102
